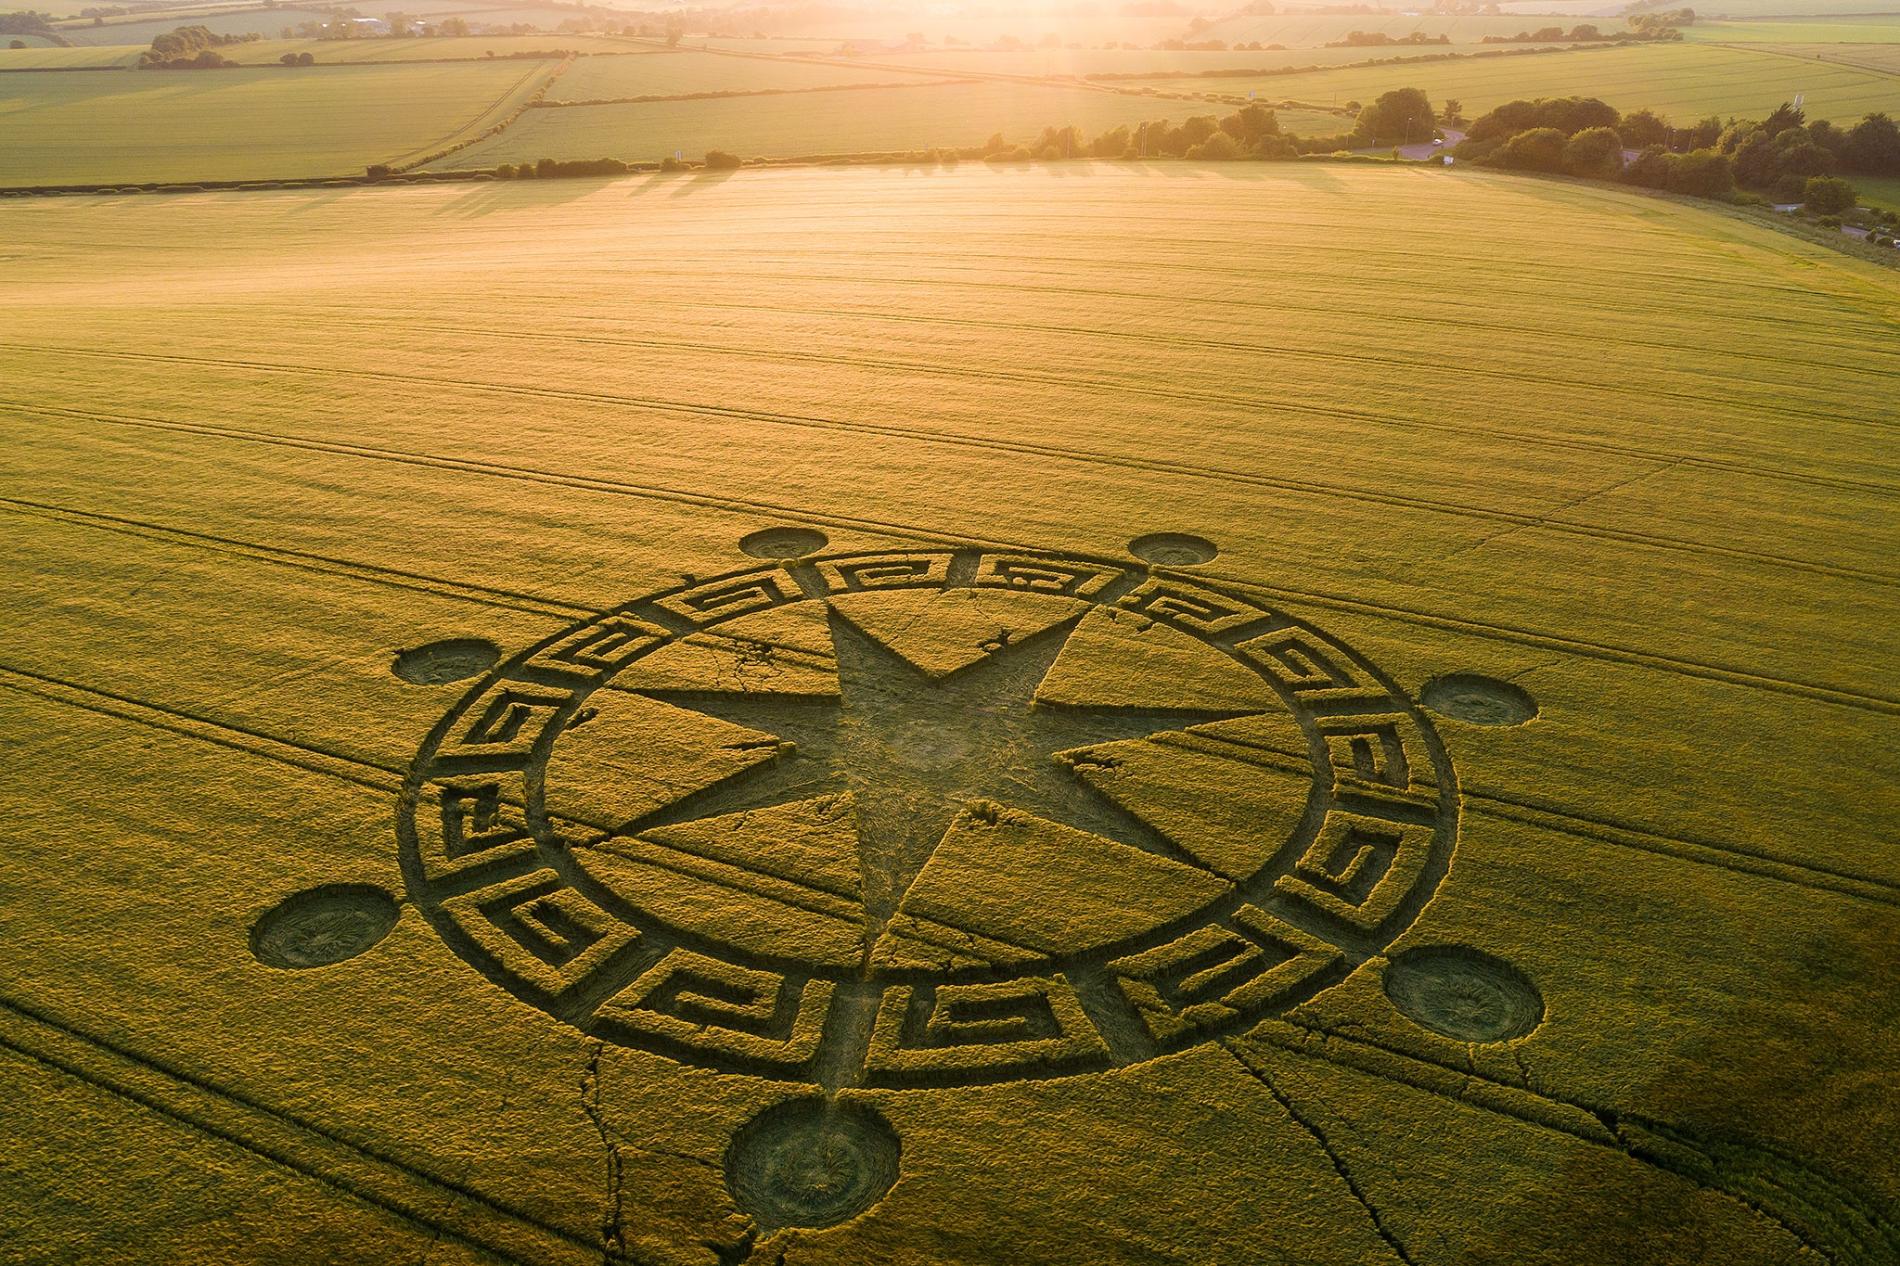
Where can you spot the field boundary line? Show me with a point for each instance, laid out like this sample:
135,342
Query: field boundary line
1736,857
283,1139
448,145
309,758
323,564
1862,700
1515,519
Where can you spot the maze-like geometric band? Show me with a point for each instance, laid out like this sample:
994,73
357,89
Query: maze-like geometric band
1337,815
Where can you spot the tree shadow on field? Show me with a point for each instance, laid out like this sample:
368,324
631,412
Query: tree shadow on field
513,195
306,201
1784,1100
701,182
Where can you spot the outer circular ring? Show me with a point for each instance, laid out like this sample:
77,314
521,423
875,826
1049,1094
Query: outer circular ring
490,872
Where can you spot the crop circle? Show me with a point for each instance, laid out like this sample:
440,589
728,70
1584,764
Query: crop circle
1463,993
1478,700
944,742
783,542
811,1163
1173,549
453,659
321,926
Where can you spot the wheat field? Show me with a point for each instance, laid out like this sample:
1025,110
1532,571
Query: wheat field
1537,590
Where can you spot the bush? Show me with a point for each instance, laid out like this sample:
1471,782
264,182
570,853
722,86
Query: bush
670,164
1650,168
720,160
1218,148
1596,152
1826,195
1397,117
1540,149
1568,115
1701,173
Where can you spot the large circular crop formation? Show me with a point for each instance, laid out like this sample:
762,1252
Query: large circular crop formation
927,817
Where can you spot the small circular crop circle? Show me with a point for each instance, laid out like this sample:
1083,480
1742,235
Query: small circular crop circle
438,663
811,1163
1478,700
1173,549
1463,993
783,542
325,925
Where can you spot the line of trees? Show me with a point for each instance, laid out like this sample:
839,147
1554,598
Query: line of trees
189,48
1585,33
1783,156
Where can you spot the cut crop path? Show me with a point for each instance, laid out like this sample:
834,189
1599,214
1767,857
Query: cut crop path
128,127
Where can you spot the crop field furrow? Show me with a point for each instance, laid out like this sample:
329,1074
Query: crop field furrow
1604,337
480,386
1878,701
1552,521
1325,359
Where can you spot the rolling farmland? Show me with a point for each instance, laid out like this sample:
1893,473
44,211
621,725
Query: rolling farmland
107,127
846,121
676,74
358,899
1678,81
432,48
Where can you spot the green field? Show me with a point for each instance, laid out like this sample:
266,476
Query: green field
56,58
265,22
608,78
1869,28
847,121
1078,63
1462,837
1877,192
1681,82
124,127
1881,58
1312,30
433,48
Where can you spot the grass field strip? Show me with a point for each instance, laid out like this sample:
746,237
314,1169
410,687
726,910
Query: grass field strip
1864,700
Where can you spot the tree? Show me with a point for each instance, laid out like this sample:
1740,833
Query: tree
1397,117
1873,146
1643,128
720,160
1454,111
452,26
1596,152
17,44
1786,115
1220,147
1827,195
1702,173
1651,168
